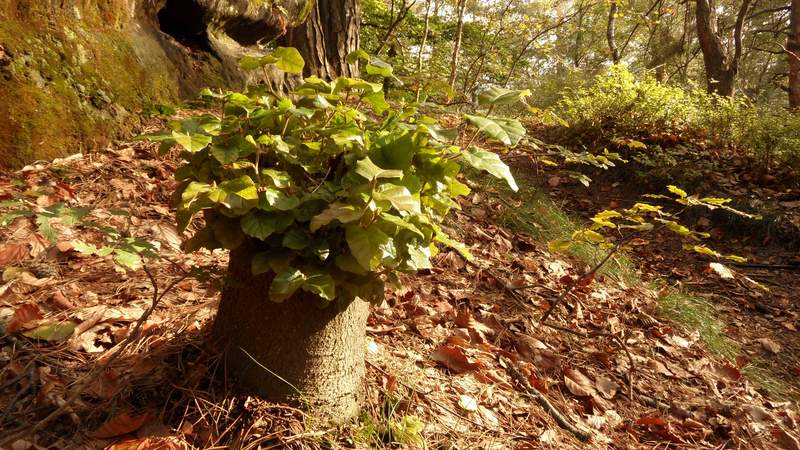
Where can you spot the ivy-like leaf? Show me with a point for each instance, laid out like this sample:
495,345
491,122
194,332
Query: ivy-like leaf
320,284
490,162
365,243
285,284
367,169
495,95
342,212
507,131
191,142
289,60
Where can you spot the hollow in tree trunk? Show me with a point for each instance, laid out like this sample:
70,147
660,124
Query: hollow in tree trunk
295,350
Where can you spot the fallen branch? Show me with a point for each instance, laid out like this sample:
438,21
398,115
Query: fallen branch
558,416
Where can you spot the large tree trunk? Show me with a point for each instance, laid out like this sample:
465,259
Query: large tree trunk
721,68
793,50
293,350
329,34
296,350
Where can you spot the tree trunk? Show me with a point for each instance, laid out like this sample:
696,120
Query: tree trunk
611,31
793,51
295,350
721,68
462,4
329,34
422,46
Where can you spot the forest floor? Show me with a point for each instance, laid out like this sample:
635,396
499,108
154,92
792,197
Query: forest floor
651,351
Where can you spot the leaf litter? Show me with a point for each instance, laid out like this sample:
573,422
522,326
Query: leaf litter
446,352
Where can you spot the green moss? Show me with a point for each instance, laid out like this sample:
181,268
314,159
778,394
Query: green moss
76,77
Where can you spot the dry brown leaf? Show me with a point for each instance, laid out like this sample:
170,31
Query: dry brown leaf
769,345
455,359
11,253
120,424
606,386
728,372
24,315
785,440
579,384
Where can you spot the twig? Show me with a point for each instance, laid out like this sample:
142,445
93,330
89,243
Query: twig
584,277
557,415
83,382
613,337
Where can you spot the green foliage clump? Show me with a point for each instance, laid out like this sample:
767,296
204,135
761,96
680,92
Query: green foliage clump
620,105
336,189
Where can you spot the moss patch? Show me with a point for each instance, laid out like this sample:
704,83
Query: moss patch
78,76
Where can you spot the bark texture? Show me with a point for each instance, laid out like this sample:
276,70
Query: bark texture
611,31
451,80
721,67
329,34
793,50
319,351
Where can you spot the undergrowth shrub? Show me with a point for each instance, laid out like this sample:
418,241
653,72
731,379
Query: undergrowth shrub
620,105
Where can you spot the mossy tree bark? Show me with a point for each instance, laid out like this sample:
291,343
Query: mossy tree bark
293,350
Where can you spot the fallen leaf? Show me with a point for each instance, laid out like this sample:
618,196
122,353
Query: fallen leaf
722,271
11,253
657,421
455,359
52,332
785,440
61,301
23,315
728,372
606,386
579,384
769,345
120,424
467,403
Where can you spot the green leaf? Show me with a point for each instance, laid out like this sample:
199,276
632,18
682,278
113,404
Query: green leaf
52,332
225,154
259,224
127,260
191,142
83,248
490,162
46,229
320,284
367,169
507,131
394,152
379,67
443,238
365,244
495,95
399,197
342,212
357,55
295,239
273,260
237,194
285,284
289,60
